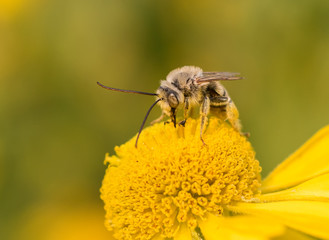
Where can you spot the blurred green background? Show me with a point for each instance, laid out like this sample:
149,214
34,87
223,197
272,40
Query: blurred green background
57,124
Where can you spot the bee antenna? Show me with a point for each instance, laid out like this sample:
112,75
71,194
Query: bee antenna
126,91
147,114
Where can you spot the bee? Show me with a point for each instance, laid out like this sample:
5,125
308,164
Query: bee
190,86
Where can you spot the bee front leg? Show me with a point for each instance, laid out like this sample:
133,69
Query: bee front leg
173,116
204,111
186,108
159,119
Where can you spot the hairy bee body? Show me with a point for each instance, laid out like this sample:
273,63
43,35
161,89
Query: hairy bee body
188,87
181,83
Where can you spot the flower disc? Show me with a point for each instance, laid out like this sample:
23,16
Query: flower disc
172,178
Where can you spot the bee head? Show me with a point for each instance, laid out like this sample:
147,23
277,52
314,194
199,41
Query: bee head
171,96
172,100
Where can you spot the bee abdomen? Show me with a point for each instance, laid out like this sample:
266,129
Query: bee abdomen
219,107
218,101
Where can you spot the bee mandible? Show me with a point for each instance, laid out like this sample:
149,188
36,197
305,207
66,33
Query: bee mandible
187,87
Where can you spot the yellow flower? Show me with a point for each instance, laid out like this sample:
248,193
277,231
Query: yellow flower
11,8
174,187
55,221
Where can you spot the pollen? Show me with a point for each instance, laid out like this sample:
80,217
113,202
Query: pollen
172,178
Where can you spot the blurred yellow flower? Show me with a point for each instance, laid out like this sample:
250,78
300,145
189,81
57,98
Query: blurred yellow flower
57,222
11,8
173,186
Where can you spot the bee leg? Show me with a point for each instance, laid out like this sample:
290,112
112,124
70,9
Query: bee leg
191,111
159,119
204,111
246,134
182,123
233,116
186,108
173,116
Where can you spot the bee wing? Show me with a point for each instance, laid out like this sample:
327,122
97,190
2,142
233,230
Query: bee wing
217,76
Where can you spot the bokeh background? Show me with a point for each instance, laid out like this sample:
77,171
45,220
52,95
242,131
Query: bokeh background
56,124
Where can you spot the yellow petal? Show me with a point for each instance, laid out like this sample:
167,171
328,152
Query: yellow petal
239,227
183,233
314,189
311,217
295,235
311,160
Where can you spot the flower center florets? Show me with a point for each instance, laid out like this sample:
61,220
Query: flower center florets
172,178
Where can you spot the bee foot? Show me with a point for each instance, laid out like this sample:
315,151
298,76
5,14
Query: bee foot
182,123
204,144
246,134
166,122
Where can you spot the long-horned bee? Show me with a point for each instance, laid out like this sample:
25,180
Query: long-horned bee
190,86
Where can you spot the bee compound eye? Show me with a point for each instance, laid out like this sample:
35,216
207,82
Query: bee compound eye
172,100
